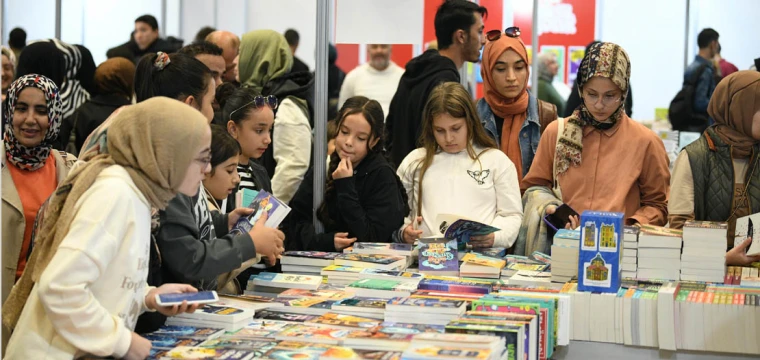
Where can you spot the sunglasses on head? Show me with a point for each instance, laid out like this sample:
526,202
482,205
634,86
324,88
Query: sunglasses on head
259,102
513,32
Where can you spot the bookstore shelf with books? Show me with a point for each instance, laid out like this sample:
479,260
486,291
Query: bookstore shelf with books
365,305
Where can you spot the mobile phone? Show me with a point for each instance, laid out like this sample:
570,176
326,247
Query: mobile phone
201,297
560,218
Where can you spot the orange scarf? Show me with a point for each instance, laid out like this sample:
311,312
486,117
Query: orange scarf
513,111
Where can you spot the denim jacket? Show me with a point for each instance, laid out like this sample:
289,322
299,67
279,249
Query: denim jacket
530,132
705,84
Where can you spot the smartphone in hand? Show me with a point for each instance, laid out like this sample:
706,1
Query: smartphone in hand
560,218
201,297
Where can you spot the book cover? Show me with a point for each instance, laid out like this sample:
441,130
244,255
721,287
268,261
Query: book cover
170,342
218,313
477,259
378,284
599,256
260,329
288,350
200,353
361,303
746,228
527,267
510,334
438,255
259,346
445,352
706,225
341,353
322,255
188,332
341,269
390,274
521,260
321,294
423,305
539,256
516,306
454,286
378,259
389,327
444,295
307,302
286,280
306,333
568,234
263,202
345,321
497,252
283,316
461,229
660,231
378,248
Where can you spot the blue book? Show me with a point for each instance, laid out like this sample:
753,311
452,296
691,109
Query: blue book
263,202
492,252
438,256
599,256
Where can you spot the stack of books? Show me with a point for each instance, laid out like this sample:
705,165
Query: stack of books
210,315
361,306
311,302
630,246
659,253
271,284
306,262
341,274
519,331
565,255
424,311
704,251
372,261
384,289
455,346
481,266
393,249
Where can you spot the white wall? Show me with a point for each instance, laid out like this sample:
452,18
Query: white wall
652,33
736,22
38,23
195,14
280,15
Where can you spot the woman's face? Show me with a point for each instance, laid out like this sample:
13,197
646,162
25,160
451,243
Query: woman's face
144,35
602,97
30,117
223,180
199,167
254,132
510,74
7,73
450,133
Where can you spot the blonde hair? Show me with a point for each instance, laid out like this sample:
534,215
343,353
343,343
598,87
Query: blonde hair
449,98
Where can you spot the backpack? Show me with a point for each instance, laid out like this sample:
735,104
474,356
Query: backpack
681,111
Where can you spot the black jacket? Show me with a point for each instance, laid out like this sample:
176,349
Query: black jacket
574,100
368,206
131,51
299,87
93,113
299,66
404,121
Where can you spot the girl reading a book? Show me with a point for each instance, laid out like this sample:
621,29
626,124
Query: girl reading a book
363,197
716,178
459,170
222,181
85,283
598,158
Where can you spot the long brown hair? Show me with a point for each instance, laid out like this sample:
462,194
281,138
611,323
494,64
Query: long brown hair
449,98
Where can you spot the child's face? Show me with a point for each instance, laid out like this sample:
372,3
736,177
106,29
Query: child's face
450,133
224,180
354,138
254,132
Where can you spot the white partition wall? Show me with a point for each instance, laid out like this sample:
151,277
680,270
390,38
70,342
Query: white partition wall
38,23
195,14
281,15
737,22
653,33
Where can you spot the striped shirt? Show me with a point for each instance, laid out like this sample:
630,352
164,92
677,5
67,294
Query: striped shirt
246,177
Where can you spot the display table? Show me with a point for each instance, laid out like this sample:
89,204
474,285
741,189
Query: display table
595,350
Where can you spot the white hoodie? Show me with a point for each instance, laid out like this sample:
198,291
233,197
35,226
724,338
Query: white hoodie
89,297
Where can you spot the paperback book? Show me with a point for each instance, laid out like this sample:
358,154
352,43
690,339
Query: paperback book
438,256
275,209
599,256
461,229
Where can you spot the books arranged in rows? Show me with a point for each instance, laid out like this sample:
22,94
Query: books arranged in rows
438,256
518,331
529,278
306,262
361,306
481,266
272,284
599,255
385,289
658,253
744,276
629,261
372,261
455,285
423,311
565,249
704,251
455,346
215,316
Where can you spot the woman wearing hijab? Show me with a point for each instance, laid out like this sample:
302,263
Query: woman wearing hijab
598,158
716,178
511,115
114,86
574,100
90,261
265,63
32,169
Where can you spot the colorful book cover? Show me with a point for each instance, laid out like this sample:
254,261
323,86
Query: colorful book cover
379,284
283,316
263,202
307,302
568,234
322,294
259,346
396,247
454,286
445,352
324,255
379,259
188,332
339,320
438,255
656,230
170,342
342,352
510,334
497,252
342,269
445,295
458,228
388,327
199,353
307,333
599,255
521,307
284,280
482,260
520,259
539,256
260,329
218,313
528,267
413,303
390,274
358,302
289,350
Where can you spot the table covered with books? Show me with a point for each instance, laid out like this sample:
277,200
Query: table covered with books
442,300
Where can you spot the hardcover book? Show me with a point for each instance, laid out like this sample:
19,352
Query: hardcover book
599,256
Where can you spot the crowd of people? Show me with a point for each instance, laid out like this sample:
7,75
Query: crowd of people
120,181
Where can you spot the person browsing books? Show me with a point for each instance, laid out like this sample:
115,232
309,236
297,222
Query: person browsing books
364,200
601,159
90,261
716,178
459,170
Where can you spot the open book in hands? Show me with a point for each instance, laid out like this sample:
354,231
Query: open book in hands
461,229
263,202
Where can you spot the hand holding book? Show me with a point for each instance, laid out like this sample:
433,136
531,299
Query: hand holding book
236,214
342,241
411,232
268,241
738,255
483,241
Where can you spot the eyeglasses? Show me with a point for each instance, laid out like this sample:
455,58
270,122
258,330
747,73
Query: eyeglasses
260,101
606,99
513,32
204,161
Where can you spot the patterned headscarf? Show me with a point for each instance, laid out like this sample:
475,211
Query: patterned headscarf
19,155
605,60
